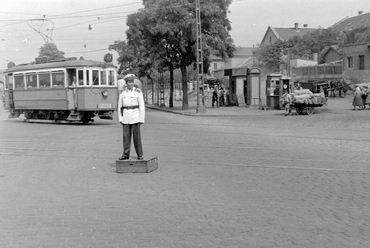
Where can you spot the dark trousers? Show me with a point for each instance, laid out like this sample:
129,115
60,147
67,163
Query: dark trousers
134,129
213,102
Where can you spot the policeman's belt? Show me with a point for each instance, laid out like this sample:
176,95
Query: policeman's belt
130,107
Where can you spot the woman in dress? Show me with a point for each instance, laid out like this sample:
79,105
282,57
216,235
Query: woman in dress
357,99
367,101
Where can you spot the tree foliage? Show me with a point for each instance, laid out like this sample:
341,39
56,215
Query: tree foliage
50,51
358,35
162,35
299,46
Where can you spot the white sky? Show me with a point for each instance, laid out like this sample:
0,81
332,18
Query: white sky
19,43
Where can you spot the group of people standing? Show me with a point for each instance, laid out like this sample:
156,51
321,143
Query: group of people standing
361,98
220,96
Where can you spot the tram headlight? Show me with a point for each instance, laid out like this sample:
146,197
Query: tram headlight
105,93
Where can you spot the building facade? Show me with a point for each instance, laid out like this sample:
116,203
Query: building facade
356,62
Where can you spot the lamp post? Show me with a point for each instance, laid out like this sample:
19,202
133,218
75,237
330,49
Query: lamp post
200,78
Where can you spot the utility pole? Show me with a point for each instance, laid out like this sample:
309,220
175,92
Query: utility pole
200,78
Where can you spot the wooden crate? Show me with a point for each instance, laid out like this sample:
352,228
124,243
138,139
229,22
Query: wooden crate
136,166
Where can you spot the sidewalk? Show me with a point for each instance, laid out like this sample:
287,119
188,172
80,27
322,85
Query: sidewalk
209,111
335,105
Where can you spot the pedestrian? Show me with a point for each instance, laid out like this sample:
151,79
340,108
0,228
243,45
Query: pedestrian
215,97
367,100
286,100
298,86
363,96
221,99
131,114
227,96
357,99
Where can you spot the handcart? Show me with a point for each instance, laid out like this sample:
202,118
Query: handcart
308,109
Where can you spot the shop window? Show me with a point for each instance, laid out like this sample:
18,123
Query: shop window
361,60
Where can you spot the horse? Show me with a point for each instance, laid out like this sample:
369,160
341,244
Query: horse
338,85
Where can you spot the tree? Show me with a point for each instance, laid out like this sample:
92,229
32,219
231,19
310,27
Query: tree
50,51
271,55
304,47
165,30
357,35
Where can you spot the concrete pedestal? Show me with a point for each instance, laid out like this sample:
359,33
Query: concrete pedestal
136,166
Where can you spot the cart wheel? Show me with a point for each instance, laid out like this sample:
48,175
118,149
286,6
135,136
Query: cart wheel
299,111
310,110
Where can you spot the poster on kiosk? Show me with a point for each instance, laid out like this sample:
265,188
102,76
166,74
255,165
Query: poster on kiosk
275,85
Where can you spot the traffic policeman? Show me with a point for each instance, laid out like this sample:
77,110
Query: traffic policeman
131,114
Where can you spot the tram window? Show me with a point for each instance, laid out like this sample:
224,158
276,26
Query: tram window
9,83
103,78
31,80
58,79
80,77
19,81
95,77
110,77
87,73
44,80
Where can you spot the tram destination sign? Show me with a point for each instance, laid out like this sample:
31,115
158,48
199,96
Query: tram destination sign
104,105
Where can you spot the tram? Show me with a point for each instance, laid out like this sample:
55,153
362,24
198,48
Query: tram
67,90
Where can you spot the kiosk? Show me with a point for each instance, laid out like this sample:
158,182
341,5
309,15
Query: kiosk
275,84
253,87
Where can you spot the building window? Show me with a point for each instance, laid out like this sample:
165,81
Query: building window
215,66
349,62
361,60
270,39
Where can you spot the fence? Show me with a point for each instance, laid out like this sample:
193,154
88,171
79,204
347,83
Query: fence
317,72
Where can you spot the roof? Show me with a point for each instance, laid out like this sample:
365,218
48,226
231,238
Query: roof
348,23
249,62
333,47
243,51
63,64
287,33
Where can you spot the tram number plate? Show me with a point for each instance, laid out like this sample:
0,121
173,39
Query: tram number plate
104,105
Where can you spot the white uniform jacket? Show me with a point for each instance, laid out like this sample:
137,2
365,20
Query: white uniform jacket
128,113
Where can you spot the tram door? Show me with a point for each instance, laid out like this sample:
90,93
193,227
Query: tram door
9,98
71,89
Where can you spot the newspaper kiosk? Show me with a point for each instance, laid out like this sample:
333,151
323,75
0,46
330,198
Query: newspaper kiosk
275,84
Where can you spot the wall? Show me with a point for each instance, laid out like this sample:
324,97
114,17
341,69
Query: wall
266,38
354,51
332,55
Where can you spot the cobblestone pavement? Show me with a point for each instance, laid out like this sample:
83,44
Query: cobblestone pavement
248,179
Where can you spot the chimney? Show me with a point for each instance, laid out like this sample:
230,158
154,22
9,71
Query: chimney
296,26
305,25
316,57
360,12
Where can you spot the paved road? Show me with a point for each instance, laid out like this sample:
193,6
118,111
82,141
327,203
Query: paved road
248,180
